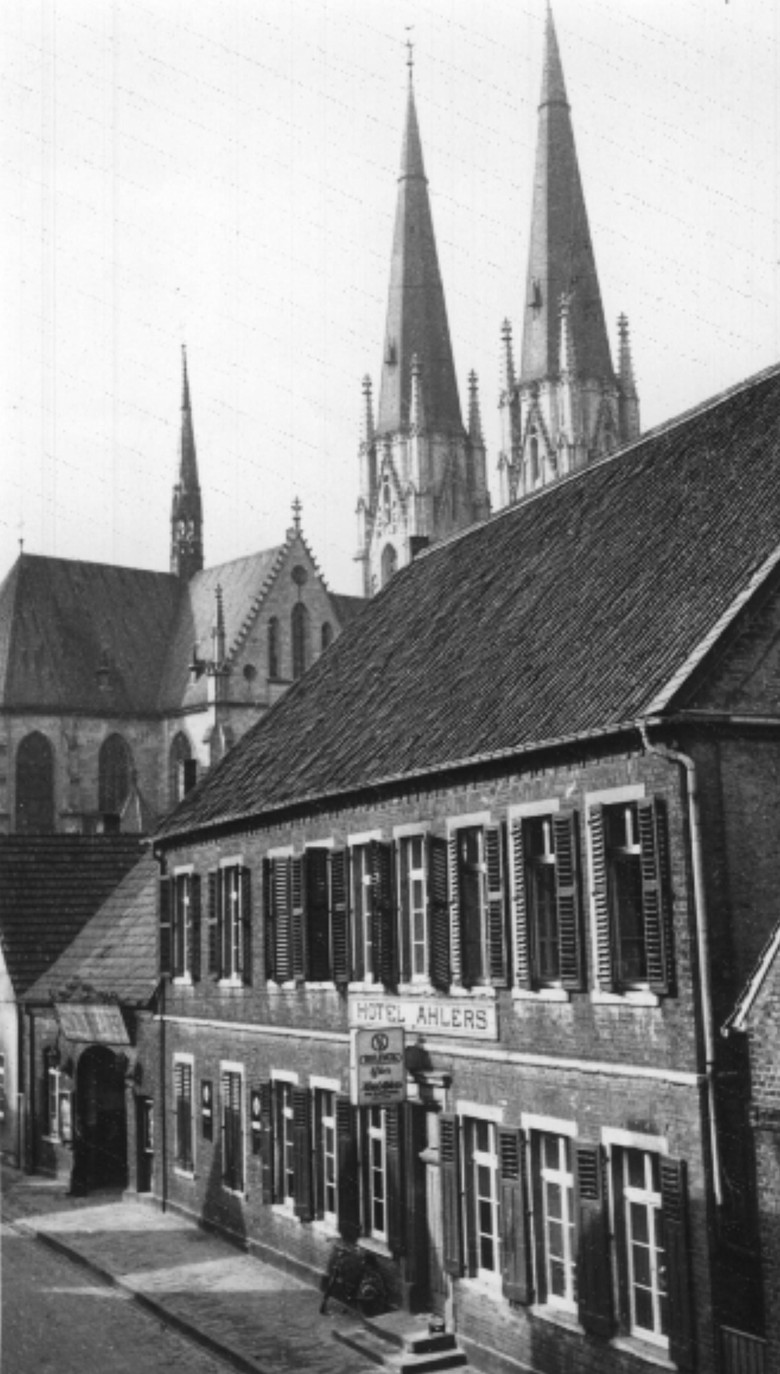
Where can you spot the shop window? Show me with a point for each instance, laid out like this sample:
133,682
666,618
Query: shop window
274,649
479,951
301,648
554,1220
179,926
325,1156
232,1087
307,919
35,786
183,768
114,771
631,896
546,902
183,1107
230,923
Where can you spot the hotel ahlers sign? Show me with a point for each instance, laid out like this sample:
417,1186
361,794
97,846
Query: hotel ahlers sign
460,1017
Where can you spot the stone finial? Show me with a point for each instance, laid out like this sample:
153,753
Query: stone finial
625,361
296,513
507,358
367,413
475,417
218,631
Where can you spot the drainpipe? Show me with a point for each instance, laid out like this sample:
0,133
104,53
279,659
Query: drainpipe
702,938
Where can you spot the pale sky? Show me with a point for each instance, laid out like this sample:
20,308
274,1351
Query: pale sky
223,173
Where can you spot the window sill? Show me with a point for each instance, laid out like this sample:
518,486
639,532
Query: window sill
646,1350
559,1316
290,986
327,1227
180,1172
234,1192
540,995
320,987
635,997
489,1284
284,1209
230,983
416,989
375,1247
484,990
182,980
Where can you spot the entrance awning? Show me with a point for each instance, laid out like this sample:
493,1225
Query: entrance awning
94,1022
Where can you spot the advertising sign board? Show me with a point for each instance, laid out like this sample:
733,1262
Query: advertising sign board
378,1067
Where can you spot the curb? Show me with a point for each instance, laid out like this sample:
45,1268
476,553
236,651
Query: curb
202,1338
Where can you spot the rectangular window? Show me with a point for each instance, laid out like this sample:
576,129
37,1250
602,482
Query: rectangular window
624,887
631,896
182,925
542,906
640,1238
183,1106
362,910
554,1214
325,1157
307,917
284,1141
375,1173
53,1102
233,1130
479,950
482,1198
414,906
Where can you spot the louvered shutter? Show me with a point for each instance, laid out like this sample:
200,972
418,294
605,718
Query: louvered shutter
186,1115
653,844
215,942
404,911
362,898
227,915
245,943
606,971
298,918
496,906
415,1133
283,963
339,917
166,951
453,871
438,913
396,1192
195,925
567,901
522,955
674,1202
515,1257
318,965
594,1282
267,1140
269,921
348,1190
302,1160
449,1163
383,913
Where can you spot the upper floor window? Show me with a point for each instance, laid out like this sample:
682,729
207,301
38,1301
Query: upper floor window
182,768
301,648
414,905
306,909
114,773
35,785
546,901
479,950
374,927
230,922
631,896
179,915
274,649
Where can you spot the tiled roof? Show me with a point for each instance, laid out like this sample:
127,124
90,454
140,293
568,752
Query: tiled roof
116,951
565,615
347,607
50,885
60,617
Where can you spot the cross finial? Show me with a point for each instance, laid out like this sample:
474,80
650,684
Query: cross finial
409,49
296,510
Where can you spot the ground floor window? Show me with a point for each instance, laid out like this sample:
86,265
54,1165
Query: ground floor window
553,1188
284,1137
57,1101
374,1144
233,1130
482,1198
182,1094
640,1236
325,1157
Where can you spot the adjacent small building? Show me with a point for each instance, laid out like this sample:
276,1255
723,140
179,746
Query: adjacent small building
524,813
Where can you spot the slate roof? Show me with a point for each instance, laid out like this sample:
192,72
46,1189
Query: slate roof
50,886
571,613
116,951
739,1018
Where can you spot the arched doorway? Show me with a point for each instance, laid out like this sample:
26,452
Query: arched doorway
101,1124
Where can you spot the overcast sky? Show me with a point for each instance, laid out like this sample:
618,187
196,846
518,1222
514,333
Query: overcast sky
223,173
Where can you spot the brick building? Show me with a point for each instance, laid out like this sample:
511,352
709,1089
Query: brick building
525,811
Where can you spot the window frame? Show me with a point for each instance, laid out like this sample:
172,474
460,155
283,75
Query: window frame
562,1177
232,1069
600,994
626,1196
474,1159
492,902
324,1092
183,1165
283,1127
373,1130
181,923
409,910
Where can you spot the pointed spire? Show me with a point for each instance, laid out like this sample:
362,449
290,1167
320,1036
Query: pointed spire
187,511
475,417
416,311
297,508
561,257
625,361
367,413
218,632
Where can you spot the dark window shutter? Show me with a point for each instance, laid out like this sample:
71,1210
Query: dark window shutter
283,964
195,924
496,906
653,842
453,875
245,883
215,943
404,911
269,924
415,1133
674,1201
567,898
166,950
606,974
396,1201
339,917
267,1146
449,1162
522,957
362,896
302,1160
594,1281
318,965
348,1192
438,913
382,913
298,914
515,1262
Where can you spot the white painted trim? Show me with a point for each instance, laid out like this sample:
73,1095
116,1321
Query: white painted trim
632,997
411,828
523,810
551,1124
183,871
284,851
551,994
634,1140
232,861
230,1066
326,1085
284,1076
185,1057
464,1107
468,821
364,837
320,844
613,796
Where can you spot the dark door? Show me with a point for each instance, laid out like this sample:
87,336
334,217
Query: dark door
102,1124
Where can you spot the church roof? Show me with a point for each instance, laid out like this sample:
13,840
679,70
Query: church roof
115,953
561,259
50,886
416,311
61,619
575,612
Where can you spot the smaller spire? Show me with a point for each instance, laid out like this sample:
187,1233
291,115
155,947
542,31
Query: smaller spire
296,512
625,362
507,359
185,395
475,417
367,414
416,408
218,632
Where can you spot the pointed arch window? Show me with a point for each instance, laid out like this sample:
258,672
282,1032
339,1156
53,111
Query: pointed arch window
35,785
387,497
114,768
182,768
274,649
299,624
389,563
326,636
534,457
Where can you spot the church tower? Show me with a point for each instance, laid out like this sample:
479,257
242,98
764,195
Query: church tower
566,407
422,473
187,512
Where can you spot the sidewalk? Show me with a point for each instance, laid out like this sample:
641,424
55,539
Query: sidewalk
260,1319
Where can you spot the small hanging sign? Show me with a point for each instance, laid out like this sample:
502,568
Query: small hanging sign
378,1067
